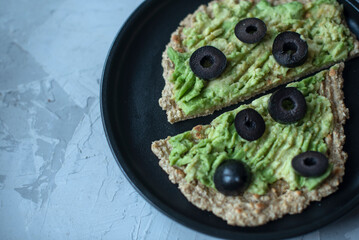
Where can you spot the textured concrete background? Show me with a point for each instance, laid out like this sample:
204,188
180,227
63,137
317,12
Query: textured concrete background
58,178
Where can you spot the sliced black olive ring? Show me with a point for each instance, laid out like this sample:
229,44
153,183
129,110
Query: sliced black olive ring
289,49
249,124
208,62
250,30
287,105
310,164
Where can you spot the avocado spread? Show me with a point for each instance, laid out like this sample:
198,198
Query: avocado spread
252,67
201,150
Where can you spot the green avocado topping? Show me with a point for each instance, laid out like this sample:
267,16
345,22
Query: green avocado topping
201,150
252,67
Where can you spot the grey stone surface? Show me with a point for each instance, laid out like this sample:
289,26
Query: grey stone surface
58,178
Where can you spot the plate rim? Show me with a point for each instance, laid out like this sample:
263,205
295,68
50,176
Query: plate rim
140,188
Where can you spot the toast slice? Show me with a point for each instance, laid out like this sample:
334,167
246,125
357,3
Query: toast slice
251,209
202,98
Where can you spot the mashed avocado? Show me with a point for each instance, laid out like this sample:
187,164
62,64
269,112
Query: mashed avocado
251,67
204,148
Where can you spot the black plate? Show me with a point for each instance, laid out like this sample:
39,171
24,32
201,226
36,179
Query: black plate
131,86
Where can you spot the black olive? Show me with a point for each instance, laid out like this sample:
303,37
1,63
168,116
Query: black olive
208,62
249,124
250,30
289,49
287,105
231,178
310,164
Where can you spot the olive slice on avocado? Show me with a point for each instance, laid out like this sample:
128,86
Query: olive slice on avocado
287,105
250,30
208,62
289,49
249,124
310,164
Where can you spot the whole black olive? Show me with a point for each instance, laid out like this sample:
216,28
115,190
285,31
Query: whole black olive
231,178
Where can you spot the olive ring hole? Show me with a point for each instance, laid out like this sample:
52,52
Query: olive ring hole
207,61
249,123
290,48
288,104
251,29
309,162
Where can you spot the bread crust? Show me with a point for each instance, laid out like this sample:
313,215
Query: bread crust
253,209
167,102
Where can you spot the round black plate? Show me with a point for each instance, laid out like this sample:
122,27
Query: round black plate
131,86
